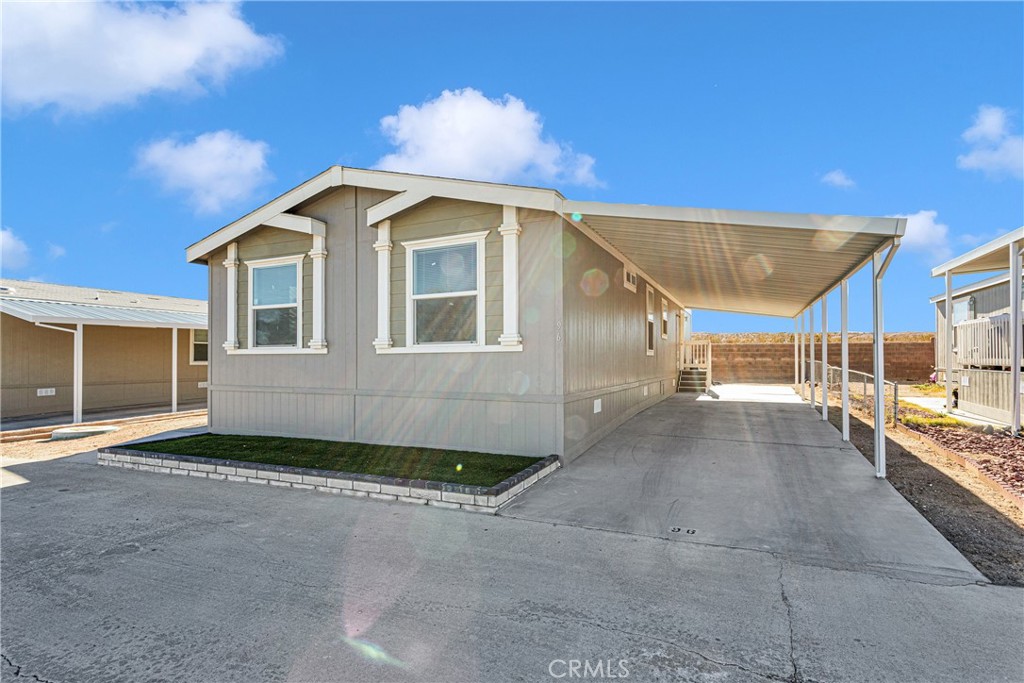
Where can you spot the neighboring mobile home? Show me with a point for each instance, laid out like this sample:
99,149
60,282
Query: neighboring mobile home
399,309
977,341
77,350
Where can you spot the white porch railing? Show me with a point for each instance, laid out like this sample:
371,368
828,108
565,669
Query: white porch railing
984,342
695,354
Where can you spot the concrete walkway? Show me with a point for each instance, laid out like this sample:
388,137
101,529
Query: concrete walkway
132,576
757,469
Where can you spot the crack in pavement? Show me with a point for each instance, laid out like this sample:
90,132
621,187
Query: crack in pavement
795,678
17,670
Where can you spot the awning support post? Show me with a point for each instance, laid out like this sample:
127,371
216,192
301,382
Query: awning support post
174,369
796,352
803,364
1016,343
824,358
810,329
949,341
844,305
77,373
878,267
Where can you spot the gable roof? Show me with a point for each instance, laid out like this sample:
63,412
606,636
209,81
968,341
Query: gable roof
741,261
42,302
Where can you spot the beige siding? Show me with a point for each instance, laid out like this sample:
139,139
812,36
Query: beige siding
605,344
442,218
123,367
264,243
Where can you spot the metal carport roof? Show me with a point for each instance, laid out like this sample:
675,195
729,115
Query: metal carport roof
59,312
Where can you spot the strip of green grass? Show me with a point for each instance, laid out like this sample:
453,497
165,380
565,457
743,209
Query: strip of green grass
433,464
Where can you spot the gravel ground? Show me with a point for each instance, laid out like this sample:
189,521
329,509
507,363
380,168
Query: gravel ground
44,449
981,524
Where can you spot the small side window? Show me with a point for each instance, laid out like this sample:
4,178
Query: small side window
664,319
200,345
650,322
628,279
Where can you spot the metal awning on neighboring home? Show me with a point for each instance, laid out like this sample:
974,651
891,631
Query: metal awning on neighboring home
69,309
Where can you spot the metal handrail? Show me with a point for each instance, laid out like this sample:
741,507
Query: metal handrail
865,380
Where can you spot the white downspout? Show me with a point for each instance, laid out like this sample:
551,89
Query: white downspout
844,304
879,266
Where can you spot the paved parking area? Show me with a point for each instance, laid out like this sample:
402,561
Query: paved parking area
115,575
757,469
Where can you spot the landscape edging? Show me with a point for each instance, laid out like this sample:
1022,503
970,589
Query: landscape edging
968,462
485,499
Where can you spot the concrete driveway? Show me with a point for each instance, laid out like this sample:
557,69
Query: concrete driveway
115,575
757,469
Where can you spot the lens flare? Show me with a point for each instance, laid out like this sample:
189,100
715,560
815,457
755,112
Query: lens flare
372,652
563,245
577,217
594,282
758,267
458,468
518,383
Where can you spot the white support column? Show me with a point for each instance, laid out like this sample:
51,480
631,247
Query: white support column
319,255
878,268
509,231
383,247
796,352
824,358
231,315
844,306
79,342
174,369
949,342
810,329
803,352
1016,343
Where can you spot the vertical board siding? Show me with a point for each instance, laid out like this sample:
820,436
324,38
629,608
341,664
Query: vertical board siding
988,393
122,367
605,342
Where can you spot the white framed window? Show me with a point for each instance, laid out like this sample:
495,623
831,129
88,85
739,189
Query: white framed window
664,319
445,290
199,347
275,302
628,279
650,322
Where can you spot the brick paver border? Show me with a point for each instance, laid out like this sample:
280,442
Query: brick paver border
485,499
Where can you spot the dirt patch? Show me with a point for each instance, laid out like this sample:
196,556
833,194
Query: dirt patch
983,525
44,449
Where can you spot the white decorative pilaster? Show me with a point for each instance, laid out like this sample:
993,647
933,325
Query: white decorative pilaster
231,263
319,255
383,249
509,231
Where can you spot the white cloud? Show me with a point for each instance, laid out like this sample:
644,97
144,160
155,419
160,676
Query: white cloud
55,251
82,56
215,169
994,149
926,235
838,178
464,134
14,253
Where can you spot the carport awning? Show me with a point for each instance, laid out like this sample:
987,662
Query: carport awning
59,312
993,256
739,261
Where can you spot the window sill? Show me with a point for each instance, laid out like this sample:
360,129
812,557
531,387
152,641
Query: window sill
198,362
450,348
273,350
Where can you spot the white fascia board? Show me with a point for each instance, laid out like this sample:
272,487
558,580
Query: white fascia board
973,287
389,207
49,320
889,227
962,264
232,231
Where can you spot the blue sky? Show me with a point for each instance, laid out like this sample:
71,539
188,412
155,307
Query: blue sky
129,132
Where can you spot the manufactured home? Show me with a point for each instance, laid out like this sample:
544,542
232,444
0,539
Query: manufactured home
392,308
979,340
71,352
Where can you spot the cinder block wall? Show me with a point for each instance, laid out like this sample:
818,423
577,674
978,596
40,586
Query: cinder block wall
905,361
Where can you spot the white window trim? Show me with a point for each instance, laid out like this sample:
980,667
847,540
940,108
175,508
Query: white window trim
476,238
253,265
192,348
649,343
628,282
664,318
